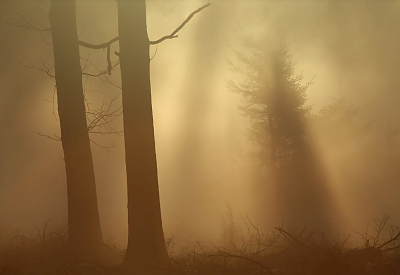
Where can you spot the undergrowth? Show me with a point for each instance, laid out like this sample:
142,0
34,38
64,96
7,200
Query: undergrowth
47,252
280,252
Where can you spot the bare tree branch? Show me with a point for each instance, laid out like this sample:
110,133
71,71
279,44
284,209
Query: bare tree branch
154,55
102,117
389,241
173,34
56,138
44,68
102,146
115,39
102,46
101,73
25,23
98,46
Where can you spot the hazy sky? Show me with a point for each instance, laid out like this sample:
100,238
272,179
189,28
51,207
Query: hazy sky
350,47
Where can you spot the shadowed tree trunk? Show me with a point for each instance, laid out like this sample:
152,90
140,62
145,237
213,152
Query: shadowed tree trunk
83,215
146,246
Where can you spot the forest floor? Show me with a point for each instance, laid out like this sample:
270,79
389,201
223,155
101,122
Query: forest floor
280,253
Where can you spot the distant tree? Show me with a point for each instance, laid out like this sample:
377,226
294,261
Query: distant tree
275,101
83,216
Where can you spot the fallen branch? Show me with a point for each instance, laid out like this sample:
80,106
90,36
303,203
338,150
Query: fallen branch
226,254
291,237
389,241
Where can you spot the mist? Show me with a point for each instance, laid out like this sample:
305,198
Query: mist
207,170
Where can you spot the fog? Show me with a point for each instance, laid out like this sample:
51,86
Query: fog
207,173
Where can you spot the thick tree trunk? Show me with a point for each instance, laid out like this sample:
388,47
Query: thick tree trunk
83,215
146,246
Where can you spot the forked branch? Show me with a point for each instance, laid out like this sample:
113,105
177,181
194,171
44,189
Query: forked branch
156,42
24,23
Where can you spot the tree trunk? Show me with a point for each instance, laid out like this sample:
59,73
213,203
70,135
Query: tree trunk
83,216
146,246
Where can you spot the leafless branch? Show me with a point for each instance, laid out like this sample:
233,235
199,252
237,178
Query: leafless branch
380,225
389,241
226,254
102,146
109,66
102,46
53,113
24,23
44,68
107,45
101,73
154,55
107,133
173,34
293,239
42,234
98,46
102,117
56,138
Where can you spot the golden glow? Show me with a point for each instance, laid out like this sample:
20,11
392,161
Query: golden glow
202,149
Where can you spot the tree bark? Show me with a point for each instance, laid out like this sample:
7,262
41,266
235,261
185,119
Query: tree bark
146,246
83,216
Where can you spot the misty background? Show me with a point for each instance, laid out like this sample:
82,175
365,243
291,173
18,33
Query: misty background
349,49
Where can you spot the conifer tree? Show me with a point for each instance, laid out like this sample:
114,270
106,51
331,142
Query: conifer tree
275,102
